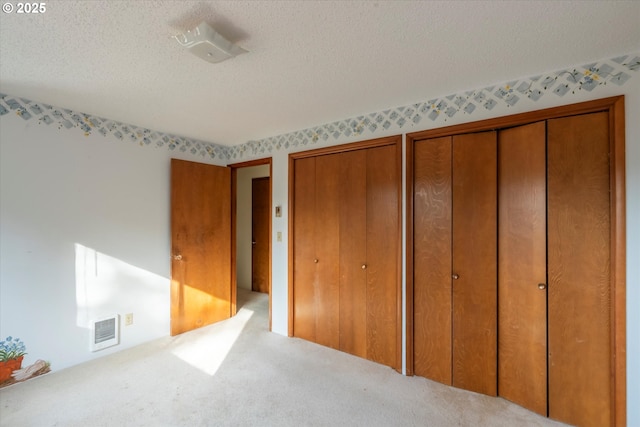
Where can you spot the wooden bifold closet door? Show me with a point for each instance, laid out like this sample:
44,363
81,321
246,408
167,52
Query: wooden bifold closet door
522,266
345,292
579,270
570,258
512,292
454,280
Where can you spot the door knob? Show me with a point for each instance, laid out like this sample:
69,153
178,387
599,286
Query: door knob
542,286
455,276
177,257
253,243
315,260
364,266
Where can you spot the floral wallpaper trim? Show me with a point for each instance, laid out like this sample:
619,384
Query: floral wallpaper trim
69,119
588,77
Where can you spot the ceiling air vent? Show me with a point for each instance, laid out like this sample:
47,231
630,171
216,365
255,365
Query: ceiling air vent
205,43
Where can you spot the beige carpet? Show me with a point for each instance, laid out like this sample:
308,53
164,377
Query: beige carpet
236,373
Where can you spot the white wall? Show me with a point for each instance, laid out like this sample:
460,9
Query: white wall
59,190
84,226
244,223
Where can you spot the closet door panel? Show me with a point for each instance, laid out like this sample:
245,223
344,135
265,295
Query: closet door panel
522,267
327,237
432,259
353,253
579,270
304,253
475,262
383,176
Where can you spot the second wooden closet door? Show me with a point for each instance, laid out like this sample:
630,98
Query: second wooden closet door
555,290
579,270
554,263
455,295
522,266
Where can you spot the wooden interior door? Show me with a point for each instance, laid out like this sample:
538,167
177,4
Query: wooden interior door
353,253
200,245
579,270
475,262
382,263
260,214
522,266
432,259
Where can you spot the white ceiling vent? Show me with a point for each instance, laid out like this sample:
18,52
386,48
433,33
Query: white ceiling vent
205,43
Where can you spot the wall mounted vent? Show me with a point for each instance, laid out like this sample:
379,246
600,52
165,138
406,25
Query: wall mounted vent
105,332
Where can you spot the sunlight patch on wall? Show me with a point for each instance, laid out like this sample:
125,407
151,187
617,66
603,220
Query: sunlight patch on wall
208,350
106,285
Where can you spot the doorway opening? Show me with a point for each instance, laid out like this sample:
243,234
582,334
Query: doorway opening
251,191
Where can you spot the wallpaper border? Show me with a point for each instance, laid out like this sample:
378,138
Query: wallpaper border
64,118
588,77
561,83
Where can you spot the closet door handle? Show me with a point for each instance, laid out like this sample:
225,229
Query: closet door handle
177,257
542,286
455,276
315,260
364,266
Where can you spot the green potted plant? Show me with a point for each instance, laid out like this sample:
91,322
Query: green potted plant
12,351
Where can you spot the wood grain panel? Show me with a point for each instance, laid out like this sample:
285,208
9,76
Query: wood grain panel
260,208
475,262
350,309
353,253
614,106
383,198
522,266
200,245
327,217
432,259
579,224
304,252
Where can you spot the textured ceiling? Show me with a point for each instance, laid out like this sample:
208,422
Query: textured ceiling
309,62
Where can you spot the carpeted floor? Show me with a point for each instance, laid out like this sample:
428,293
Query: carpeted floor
236,373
